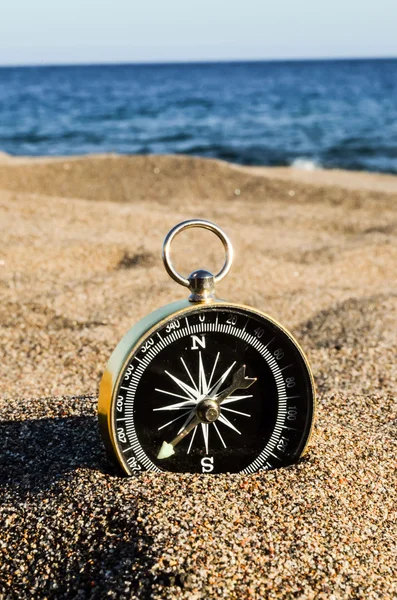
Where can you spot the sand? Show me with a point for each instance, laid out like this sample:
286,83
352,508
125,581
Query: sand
79,264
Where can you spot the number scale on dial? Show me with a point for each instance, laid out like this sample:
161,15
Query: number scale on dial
207,347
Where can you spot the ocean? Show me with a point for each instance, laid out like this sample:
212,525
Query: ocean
304,113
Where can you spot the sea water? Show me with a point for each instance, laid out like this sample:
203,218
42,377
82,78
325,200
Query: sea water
303,113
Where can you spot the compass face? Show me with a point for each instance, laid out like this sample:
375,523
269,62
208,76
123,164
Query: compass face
215,389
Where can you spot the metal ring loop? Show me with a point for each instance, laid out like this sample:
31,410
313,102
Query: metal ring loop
204,225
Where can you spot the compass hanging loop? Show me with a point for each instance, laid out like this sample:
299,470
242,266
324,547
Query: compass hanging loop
201,283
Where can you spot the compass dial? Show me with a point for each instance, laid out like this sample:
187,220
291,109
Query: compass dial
215,389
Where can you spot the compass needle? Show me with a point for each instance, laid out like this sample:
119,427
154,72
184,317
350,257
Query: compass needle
189,418
166,451
202,364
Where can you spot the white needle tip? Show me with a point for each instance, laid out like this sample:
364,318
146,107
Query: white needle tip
166,451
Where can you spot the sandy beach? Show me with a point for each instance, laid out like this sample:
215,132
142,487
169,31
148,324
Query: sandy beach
80,263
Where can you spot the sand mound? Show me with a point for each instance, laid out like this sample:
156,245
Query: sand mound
354,322
139,178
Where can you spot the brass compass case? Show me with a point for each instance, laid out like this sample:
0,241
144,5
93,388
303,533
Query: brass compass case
204,385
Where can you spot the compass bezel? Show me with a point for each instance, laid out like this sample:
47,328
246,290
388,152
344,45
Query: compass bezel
133,341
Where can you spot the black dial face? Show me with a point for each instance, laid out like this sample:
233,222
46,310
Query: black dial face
217,389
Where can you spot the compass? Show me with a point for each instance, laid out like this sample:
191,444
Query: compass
206,386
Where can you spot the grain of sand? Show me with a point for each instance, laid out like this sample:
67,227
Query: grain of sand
79,264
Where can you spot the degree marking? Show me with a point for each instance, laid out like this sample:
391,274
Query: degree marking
278,458
268,344
283,369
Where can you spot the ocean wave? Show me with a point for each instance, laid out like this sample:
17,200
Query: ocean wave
305,164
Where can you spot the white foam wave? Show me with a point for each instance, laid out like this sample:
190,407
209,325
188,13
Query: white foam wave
305,164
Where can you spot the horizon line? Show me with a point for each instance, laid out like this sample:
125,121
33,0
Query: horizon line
195,62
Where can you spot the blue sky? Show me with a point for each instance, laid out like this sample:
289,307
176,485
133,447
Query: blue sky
86,31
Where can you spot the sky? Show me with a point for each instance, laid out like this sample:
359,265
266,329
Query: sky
98,31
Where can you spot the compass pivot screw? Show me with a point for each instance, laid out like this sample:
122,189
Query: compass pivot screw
208,411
